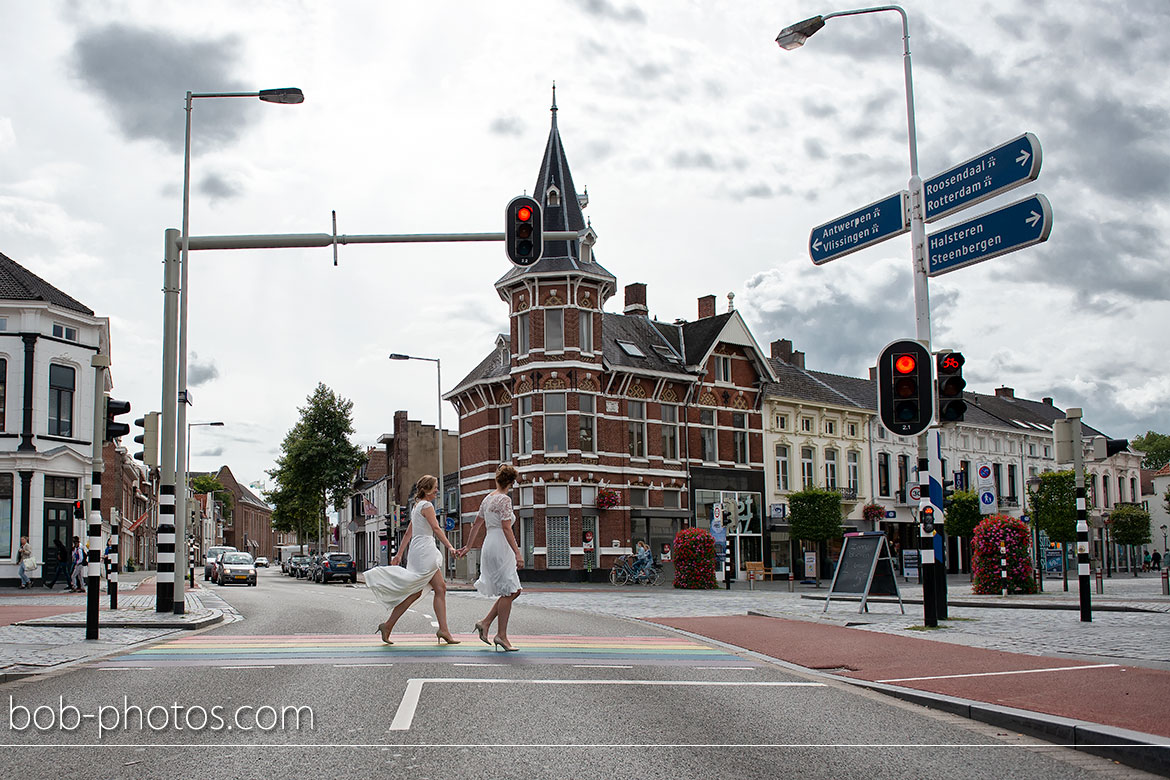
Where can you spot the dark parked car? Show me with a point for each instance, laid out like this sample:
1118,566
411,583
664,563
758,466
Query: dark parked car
213,553
289,564
303,566
236,567
333,566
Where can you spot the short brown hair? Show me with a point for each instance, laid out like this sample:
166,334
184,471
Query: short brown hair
424,485
505,474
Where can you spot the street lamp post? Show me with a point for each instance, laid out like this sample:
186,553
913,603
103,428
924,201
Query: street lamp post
1165,549
174,413
792,37
439,378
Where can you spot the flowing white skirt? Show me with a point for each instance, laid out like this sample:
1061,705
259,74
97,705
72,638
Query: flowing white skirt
497,566
392,584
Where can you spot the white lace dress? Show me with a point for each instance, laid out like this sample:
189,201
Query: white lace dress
497,562
392,584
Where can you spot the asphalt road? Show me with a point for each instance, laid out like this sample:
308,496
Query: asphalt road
587,696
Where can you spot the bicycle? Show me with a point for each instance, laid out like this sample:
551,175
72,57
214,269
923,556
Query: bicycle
624,573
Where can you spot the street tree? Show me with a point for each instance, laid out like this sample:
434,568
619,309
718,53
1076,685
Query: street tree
317,461
207,483
1131,528
962,514
1157,449
1054,505
815,516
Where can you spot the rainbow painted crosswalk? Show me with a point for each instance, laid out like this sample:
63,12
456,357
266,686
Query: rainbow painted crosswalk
360,650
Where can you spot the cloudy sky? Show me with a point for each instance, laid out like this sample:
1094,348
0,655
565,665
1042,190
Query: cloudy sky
708,153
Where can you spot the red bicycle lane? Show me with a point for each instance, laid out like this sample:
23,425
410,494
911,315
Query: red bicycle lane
1118,695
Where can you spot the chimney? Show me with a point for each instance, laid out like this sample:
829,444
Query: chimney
1046,400
636,299
782,349
873,373
1005,392
797,359
706,306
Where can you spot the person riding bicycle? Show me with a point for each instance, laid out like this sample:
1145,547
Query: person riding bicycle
644,559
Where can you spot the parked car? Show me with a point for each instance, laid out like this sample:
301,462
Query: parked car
303,567
334,566
236,567
293,563
286,564
209,560
261,561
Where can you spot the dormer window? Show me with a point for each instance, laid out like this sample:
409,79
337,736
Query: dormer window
552,197
64,332
630,348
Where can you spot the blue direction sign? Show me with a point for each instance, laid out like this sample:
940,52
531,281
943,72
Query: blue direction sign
876,222
1018,225
985,176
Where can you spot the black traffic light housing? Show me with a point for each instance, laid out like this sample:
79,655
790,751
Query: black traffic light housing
148,438
905,397
926,517
114,429
1106,448
950,382
523,231
947,492
78,510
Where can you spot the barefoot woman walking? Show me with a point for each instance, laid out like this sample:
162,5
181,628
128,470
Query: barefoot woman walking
501,557
399,587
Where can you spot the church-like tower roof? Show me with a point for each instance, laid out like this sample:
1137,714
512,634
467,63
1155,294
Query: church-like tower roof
561,211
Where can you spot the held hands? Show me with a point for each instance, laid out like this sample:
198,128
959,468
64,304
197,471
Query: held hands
462,551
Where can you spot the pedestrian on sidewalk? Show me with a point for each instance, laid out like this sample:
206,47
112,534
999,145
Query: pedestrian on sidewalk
1157,561
25,563
77,574
64,566
501,556
1147,563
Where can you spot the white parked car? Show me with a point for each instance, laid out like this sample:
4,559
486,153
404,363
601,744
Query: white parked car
262,561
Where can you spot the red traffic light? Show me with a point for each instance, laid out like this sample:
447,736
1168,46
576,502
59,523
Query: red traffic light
904,364
523,213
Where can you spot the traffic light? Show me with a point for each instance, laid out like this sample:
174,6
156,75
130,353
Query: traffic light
1106,448
947,492
523,231
114,429
926,517
905,400
148,439
78,510
951,406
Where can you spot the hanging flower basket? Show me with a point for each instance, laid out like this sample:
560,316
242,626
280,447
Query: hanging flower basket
608,498
873,512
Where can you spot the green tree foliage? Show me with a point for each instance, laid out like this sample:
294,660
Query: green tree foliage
207,483
814,515
1130,524
693,554
1157,449
316,464
1012,534
1053,505
962,514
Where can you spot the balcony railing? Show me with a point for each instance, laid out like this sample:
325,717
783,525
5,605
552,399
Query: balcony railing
847,494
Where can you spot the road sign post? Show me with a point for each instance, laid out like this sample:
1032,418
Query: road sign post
867,226
1015,226
984,176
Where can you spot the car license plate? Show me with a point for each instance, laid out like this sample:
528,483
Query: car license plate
241,576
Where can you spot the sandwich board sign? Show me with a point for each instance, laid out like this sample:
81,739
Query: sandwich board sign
865,568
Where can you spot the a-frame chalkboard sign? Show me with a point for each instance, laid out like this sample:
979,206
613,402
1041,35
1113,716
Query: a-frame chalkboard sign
864,569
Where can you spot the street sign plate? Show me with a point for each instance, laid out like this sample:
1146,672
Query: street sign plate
891,514
867,226
984,176
1015,226
915,492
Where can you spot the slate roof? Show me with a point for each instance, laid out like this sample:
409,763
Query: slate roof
795,382
644,334
17,283
495,365
699,336
1023,413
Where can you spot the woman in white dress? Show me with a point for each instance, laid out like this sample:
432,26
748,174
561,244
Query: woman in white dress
399,587
500,559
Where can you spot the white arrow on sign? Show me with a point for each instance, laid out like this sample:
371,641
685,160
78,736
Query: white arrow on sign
817,245
1032,220
1025,155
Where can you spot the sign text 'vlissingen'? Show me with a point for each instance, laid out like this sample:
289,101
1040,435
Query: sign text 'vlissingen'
983,176
876,222
1015,226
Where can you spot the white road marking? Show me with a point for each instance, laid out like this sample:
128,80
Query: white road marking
247,667
997,674
479,664
406,708
730,668
601,666
123,668
434,624
356,666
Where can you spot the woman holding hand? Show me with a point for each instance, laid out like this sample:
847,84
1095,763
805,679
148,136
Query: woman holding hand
399,587
500,559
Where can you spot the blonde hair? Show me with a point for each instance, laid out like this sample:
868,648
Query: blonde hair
424,485
505,474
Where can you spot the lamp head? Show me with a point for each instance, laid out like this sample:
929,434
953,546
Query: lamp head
397,356
794,36
283,95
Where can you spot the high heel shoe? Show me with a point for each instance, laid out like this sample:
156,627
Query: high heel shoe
497,642
382,632
481,629
440,637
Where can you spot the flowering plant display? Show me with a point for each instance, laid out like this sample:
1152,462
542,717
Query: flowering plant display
1013,534
873,512
608,498
694,559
